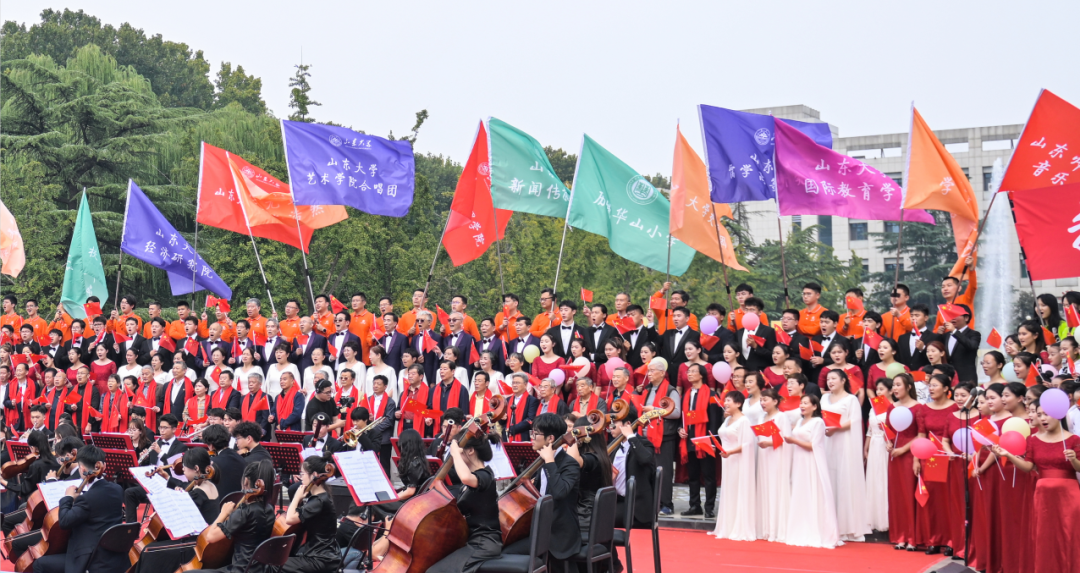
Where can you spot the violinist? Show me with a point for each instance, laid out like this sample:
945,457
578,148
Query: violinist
141,439
248,435
228,465
313,508
595,472
87,516
66,452
247,524
26,483
166,554
479,504
558,478
160,452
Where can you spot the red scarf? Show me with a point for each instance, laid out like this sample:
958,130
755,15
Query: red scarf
451,400
519,411
27,398
656,425
83,414
593,398
285,403
486,405
59,405
114,412
552,406
420,395
376,414
253,404
354,392
189,391
193,408
145,398
221,398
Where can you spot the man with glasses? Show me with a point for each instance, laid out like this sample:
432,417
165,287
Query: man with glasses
307,341
663,434
336,342
458,304
462,342
324,319
429,359
289,327
548,317
897,322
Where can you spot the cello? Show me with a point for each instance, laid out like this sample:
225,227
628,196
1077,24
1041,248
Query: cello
155,530
429,526
516,503
213,555
54,539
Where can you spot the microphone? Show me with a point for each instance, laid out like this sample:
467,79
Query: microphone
973,398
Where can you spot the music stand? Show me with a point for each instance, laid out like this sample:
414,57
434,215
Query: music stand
197,445
287,461
433,463
118,464
112,441
521,454
18,450
291,437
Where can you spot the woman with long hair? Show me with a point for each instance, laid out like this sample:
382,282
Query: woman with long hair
965,415
774,375
876,453
377,357
812,521
248,524
773,473
141,438
75,359
413,470
26,483
548,361
844,451
903,530
752,407
1046,306
641,376
487,366
852,373
1030,336
1004,509
350,358
613,348
1012,345
313,508
579,358
216,367
933,420
887,350
595,473
736,514
695,354
131,365
101,368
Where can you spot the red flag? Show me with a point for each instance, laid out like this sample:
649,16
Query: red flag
1072,365
949,311
413,406
769,430
302,338
691,417
1044,218
38,357
704,444
880,403
805,352
444,319
790,403
335,305
534,381
586,295
1071,316
263,404
872,339
922,495
760,340
45,340
474,354
20,358
854,303
72,398
986,428
41,399
471,227
120,337
658,303
92,308
918,376
573,369
333,350
221,304
1046,148
378,332
258,339
191,345
783,337
431,413
708,341
636,399
1032,378
716,442
167,343
196,421
994,338
625,324
505,389
817,346
93,412
1048,337
832,419
143,401
429,342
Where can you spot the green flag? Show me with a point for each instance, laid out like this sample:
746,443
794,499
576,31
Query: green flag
613,200
521,175
84,276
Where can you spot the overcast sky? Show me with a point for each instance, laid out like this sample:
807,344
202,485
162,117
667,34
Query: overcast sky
626,72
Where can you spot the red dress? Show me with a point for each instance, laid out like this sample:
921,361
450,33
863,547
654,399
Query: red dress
777,381
958,472
1056,511
100,375
938,525
855,378
981,502
1005,514
684,382
876,371
542,369
902,485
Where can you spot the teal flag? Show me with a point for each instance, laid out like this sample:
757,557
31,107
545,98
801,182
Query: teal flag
613,200
521,175
84,277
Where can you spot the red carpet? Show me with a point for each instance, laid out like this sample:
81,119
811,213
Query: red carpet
683,550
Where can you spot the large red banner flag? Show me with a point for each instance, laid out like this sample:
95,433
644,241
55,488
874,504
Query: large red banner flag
471,228
1047,153
1047,224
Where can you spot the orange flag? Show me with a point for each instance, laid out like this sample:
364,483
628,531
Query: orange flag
935,181
11,244
693,215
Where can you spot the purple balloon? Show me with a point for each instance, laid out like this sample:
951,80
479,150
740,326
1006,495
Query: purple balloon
722,372
709,324
557,375
961,440
1055,403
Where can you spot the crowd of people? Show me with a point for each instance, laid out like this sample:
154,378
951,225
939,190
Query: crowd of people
797,413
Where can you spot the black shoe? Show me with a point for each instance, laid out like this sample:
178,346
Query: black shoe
933,550
694,510
710,514
947,552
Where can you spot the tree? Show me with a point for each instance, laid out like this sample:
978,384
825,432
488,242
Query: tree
563,163
299,99
237,86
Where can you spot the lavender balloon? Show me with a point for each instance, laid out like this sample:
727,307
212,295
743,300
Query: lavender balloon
709,324
1055,403
961,440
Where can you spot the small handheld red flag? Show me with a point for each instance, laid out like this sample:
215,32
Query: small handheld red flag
505,389
429,342
872,339
378,332
1072,365
431,413
986,429
709,341
949,311
625,324
994,338
1048,336
716,442
44,340
770,430
444,319
120,337
691,417
38,357
333,350
704,444
832,419
17,359
92,308
72,398
335,305
167,343
918,376
658,303
1072,318
258,339
760,340
853,303
192,346
816,346
1032,378
805,353
783,337
474,355
880,403
586,295
922,495
790,403
302,339
93,412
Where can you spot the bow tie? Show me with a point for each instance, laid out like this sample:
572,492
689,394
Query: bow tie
487,340
568,328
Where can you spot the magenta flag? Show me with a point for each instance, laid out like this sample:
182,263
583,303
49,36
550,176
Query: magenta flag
815,180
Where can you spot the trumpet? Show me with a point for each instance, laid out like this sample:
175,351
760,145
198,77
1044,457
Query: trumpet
352,437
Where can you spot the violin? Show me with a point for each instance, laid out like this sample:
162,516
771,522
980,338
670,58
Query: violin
429,526
155,530
518,500
15,467
281,528
54,539
214,555
177,468
667,406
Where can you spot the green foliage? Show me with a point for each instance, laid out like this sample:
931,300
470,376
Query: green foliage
929,248
298,98
563,163
237,86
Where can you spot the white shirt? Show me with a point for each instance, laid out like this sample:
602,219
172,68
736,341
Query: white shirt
745,342
634,336
679,335
337,342
309,378
176,388
952,339
619,463
566,332
272,386
913,339
164,445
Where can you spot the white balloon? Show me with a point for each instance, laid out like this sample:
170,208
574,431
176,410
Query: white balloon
900,418
1009,373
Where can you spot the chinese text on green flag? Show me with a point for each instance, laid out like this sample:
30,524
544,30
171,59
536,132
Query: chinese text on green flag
83,276
521,175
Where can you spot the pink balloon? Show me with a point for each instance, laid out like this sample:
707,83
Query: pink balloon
1013,442
722,372
612,364
923,448
750,321
558,376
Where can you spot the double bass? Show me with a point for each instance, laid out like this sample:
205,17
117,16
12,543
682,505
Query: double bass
213,555
516,503
54,539
155,530
429,526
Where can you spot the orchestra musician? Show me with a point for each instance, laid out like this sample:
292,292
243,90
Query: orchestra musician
64,451
635,457
313,508
26,483
247,524
160,452
228,465
248,435
595,472
413,469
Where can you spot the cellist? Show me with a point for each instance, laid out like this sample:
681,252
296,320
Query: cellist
313,507
26,483
248,524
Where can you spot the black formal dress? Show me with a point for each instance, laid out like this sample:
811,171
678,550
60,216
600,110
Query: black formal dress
247,526
480,506
320,551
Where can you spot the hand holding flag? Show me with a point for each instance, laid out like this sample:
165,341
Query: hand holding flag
704,444
586,295
832,419
769,430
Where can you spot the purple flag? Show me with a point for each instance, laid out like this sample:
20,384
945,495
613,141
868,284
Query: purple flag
739,152
331,165
814,180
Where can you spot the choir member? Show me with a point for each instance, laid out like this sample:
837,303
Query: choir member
774,376
851,322
810,317
695,354
479,504
812,521
826,339
524,339
461,374
773,473
673,340
912,345
597,333
844,451
409,357
548,400
642,335
736,516
101,368
663,433
752,407
586,400
614,347
322,400
887,351
288,406
349,359
505,318
840,354
462,342
198,405
521,409
965,415
379,367
225,396
903,529
416,390
579,358
382,407
487,368
876,453
934,419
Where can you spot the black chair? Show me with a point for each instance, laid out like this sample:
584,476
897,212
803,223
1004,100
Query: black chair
599,546
536,560
234,497
362,539
656,520
622,536
273,553
118,539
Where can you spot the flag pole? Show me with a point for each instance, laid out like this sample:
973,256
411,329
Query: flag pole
296,216
723,263
498,244
198,204
566,221
438,247
123,230
903,198
243,210
783,264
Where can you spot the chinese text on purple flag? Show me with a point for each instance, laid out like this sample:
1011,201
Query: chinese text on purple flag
330,165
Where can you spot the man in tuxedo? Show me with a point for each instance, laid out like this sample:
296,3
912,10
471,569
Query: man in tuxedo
489,342
598,332
55,348
525,338
757,355
829,320
673,341
789,330
963,345
152,346
428,359
865,353
26,340
640,336
87,516
305,342
462,342
912,351
274,338
134,341
248,435
336,342
190,345
567,330
558,478
521,409
393,342
228,465
164,448
214,342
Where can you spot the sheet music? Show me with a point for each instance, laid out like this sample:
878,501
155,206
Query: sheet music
307,453
363,472
53,491
152,484
500,463
178,512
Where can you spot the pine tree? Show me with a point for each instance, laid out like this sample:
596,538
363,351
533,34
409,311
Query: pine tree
299,99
